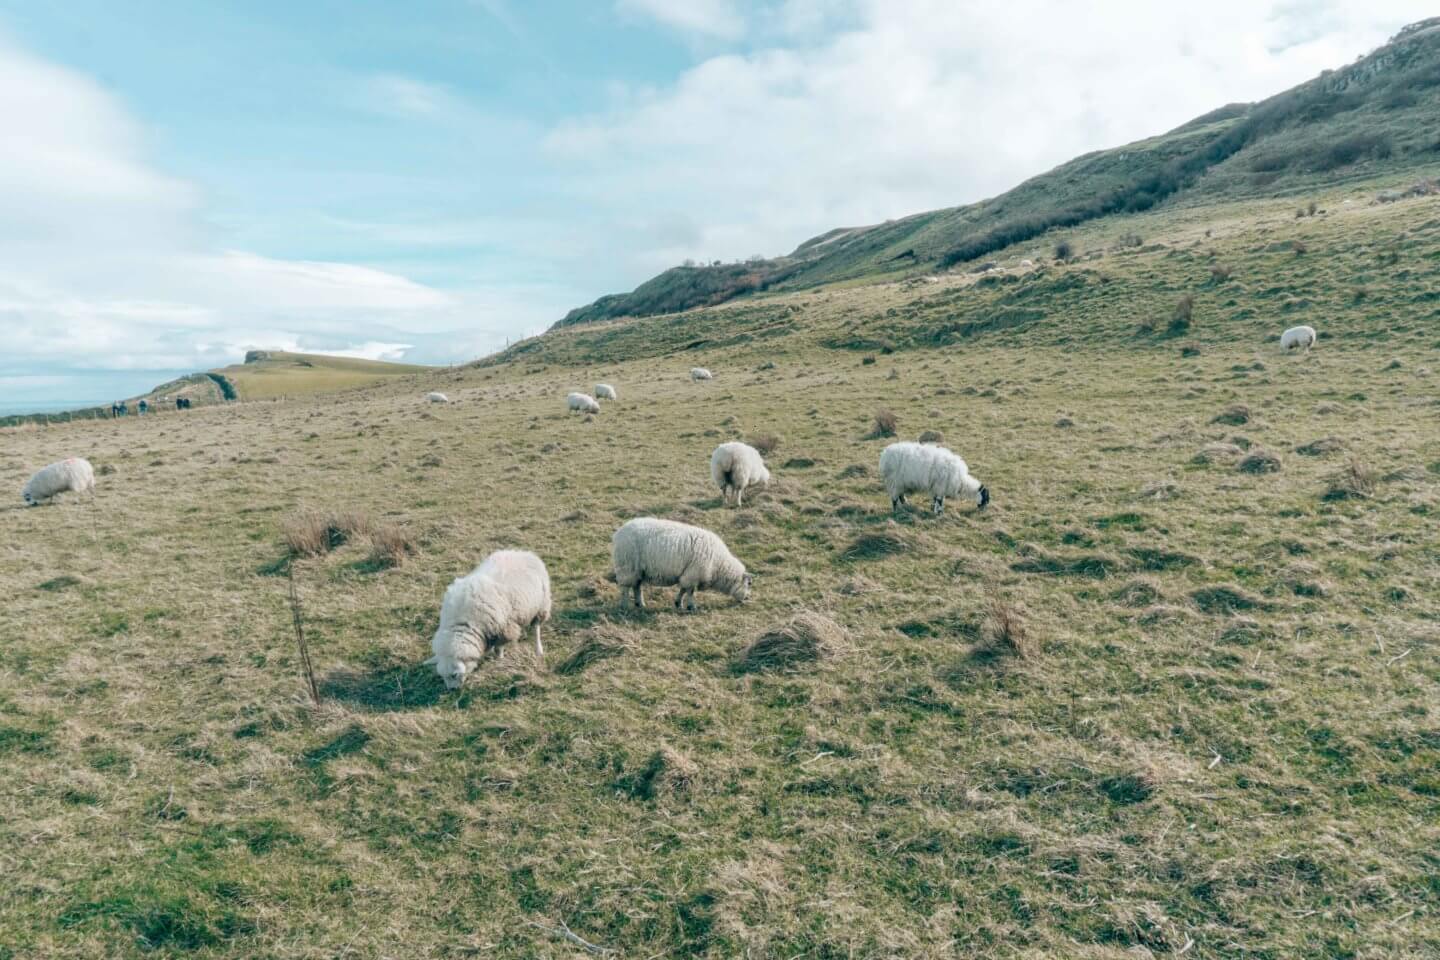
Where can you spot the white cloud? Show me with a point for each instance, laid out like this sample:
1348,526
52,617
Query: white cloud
106,263
929,103
399,94
719,19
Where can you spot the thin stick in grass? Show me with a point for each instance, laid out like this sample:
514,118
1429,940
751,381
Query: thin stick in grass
300,635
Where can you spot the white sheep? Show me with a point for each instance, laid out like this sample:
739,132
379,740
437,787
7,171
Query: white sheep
1027,263
74,474
603,391
437,397
700,373
581,403
488,608
909,467
1298,337
735,467
665,553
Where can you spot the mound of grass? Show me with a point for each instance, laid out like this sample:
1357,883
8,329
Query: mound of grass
1260,461
601,642
874,546
805,638
1225,598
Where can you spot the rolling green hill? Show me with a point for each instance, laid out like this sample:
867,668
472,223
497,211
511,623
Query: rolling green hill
266,374
1375,118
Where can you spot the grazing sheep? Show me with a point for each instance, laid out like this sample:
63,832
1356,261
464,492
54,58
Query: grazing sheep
1027,263
437,397
581,403
1298,337
603,391
72,474
735,467
909,467
700,373
664,552
488,608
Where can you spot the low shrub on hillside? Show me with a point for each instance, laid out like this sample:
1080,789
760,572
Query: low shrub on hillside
1184,312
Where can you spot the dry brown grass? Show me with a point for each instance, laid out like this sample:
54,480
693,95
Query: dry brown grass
805,638
313,533
884,423
391,545
1003,632
766,443
1355,481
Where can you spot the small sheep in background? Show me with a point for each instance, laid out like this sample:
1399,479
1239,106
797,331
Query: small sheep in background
700,373
1027,263
909,467
74,474
666,553
491,606
437,397
581,403
735,467
603,391
1298,338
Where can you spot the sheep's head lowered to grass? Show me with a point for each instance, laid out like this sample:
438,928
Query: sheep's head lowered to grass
457,663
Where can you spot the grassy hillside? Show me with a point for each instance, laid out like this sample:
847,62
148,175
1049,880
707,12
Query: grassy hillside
1217,738
281,374
1374,118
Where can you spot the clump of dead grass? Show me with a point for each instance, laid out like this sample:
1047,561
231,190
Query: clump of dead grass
313,533
766,443
1355,481
805,638
1003,632
885,424
390,545
601,642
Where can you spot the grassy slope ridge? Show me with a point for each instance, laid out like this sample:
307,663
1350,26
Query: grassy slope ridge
1225,744
278,374
1375,117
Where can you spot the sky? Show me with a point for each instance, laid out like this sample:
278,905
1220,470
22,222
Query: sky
181,182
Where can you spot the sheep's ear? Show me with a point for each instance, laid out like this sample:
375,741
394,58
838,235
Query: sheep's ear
431,662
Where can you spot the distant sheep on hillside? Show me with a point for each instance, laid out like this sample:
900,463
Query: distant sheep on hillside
603,391
73,474
909,467
735,467
581,403
437,397
491,606
1298,338
700,373
664,552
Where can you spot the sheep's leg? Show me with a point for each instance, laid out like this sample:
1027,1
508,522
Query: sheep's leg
895,504
640,595
679,597
690,603
938,505
739,497
539,647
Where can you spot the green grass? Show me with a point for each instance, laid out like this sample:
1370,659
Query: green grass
1225,736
